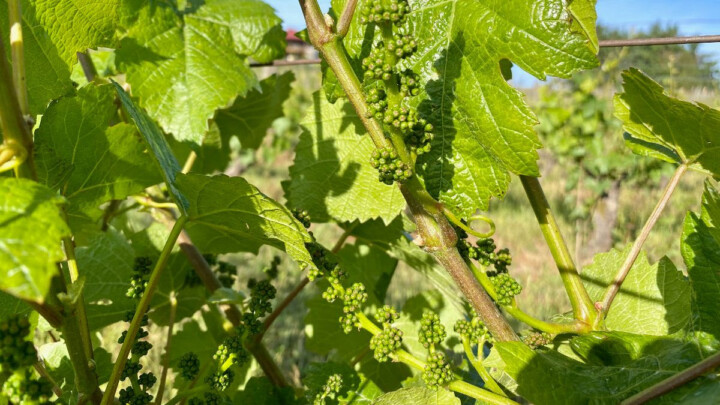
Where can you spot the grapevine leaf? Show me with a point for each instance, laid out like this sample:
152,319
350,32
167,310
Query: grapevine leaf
653,300
483,128
89,162
184,68
370,266
214,155
585,18
107,265
332,177
31,230
155,139
251,116
186,340
9,306
228,214
548,377
57,362
75,26
317,374
412,312
260,391
667,128
700,248
418,396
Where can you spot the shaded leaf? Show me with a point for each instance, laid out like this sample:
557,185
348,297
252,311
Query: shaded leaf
418,396
89,161
260,391
228,214
250,116
31,231
700,248
107,265
331,176
585,18
667,128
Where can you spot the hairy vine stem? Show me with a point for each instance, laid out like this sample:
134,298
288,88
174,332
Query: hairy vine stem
343,24
614,288
437,234
582,305
675,381
142,307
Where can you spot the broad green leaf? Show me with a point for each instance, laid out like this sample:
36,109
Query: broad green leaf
653,300
317,374
418,396
550,378
331,177
260,391
483,128
228,214
668,128
57,363
155,139
75,26
10,305
107,265
87,160
585,18
251,116
364,264
700,248
31,231
184,68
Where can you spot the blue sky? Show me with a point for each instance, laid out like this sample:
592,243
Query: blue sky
693,17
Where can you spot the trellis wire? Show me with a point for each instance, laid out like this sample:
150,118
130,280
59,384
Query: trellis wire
608,43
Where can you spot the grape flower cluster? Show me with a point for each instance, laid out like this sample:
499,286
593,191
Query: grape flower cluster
331,389
390,167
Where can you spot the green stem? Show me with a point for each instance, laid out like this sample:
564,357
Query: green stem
438,236
86,380
15,129
168,346
343,24
477,364
583,307
522,316
87,65
18,55
142,308
675,381
614,288
71,261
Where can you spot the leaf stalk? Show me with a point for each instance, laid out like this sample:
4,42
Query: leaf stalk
614,288
582,305
140,311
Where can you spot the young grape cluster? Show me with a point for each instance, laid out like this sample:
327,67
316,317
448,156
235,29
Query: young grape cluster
323,260
303,217
537,339
23,388
331,389
15,350
506,288
390,167
389,89
189,366
437,371
141,273
353,299
432,332
473,330
378,11
386,342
